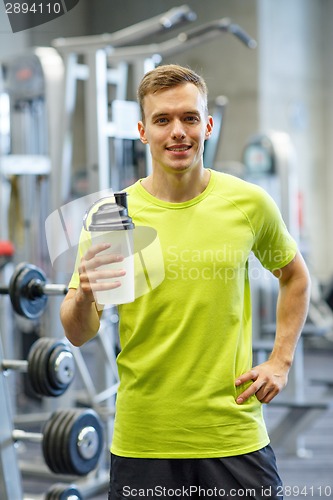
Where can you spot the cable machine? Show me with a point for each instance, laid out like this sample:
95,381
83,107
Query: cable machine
107,64
32,84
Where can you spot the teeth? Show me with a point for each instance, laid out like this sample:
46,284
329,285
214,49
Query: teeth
185,148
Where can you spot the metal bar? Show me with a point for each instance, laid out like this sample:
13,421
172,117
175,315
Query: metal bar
84,373
31,437
288,432
55,289
183,41
14,364
96,105
10,484
107,394
62,186
212,145
26,419
132,34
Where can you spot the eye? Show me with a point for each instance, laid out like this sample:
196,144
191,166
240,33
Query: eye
161,121
192,119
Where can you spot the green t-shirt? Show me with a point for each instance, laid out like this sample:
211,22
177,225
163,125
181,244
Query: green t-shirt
188,335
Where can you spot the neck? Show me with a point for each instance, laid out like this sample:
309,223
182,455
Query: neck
176,188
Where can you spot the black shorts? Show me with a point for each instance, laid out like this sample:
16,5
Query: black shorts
251,476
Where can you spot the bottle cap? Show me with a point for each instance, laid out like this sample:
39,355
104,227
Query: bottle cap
110,216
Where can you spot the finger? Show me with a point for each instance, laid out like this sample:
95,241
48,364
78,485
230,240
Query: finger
104,274
101,287
251,390
268,392
89,288
246,377
98,275
104,259
267,398
98,261
244,396
95,249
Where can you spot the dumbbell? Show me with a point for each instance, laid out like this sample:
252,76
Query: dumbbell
28,290
62,491
50,366
72,441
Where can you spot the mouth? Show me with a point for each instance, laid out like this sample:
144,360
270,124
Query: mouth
178,148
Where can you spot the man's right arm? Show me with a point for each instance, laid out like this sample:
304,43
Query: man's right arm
79,318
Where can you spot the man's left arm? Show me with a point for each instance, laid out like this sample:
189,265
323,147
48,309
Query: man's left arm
270,377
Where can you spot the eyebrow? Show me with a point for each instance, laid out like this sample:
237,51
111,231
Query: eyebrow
164,114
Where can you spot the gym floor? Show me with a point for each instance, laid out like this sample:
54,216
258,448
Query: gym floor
308,477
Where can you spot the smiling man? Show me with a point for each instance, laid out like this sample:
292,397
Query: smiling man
189,404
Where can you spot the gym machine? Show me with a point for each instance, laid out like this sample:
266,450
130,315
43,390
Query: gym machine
85,59
104,70
51,365
31,89
270,161
32,86
72,440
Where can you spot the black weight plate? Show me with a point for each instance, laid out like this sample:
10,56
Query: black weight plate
62,443
34,356
39,366
61,491
23,304
43,370
70,492
63,440
12,289
58,443
49,443
53,376
52,493
47,429
42,367
49,440
85,418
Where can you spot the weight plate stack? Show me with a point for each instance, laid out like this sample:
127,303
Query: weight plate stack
52,432
73,441
51,367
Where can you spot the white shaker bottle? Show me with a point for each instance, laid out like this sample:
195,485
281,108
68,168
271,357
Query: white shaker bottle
110,223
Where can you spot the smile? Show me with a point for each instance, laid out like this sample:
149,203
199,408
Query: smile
178,149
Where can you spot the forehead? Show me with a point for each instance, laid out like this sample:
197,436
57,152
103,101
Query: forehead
180,99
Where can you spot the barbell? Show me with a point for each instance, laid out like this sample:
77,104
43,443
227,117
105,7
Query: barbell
72,441
50,366
28,290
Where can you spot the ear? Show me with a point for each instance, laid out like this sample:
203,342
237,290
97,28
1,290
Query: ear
142,133
209,127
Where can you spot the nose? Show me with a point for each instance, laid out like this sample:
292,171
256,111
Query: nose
178,130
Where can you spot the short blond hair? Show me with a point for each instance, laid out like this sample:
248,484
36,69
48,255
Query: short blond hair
167,76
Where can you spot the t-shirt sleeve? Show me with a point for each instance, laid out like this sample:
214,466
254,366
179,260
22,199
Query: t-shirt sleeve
273,246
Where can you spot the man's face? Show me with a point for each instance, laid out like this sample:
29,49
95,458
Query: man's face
176,127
